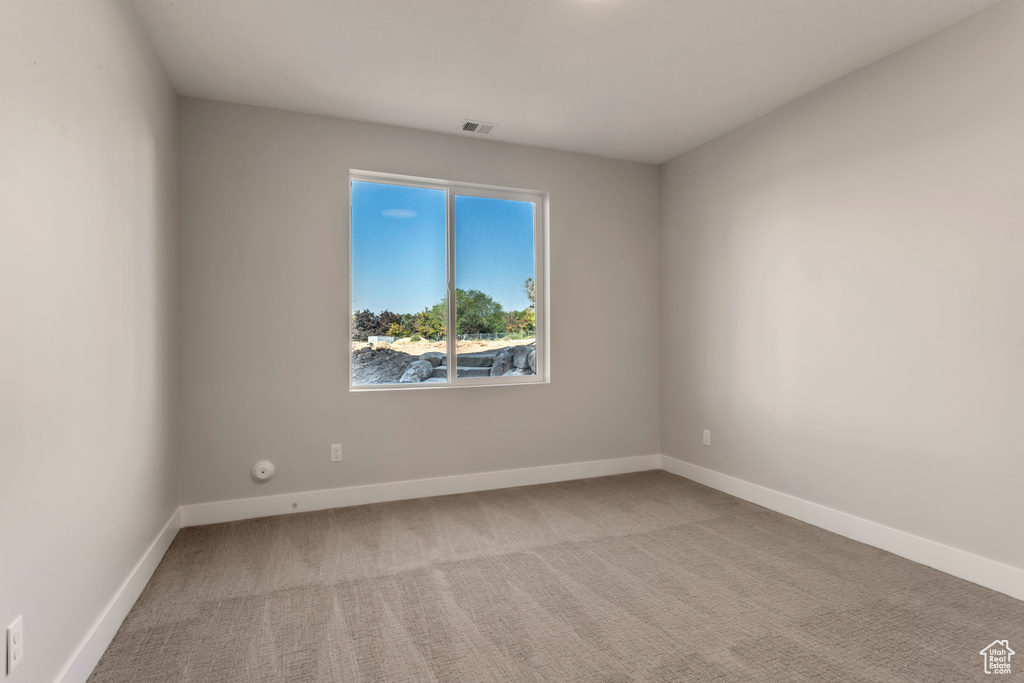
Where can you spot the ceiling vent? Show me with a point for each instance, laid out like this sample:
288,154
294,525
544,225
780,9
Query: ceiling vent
477,127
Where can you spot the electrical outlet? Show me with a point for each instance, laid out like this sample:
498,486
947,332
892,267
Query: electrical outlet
707,437
335,452
15,644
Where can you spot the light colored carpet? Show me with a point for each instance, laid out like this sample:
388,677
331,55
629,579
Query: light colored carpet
638,577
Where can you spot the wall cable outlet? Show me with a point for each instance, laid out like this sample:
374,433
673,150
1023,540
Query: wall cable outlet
335,452
263,471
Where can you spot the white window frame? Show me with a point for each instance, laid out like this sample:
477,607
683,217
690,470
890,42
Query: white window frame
540,278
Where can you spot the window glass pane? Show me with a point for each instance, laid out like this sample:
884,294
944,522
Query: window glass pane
494,276
399,274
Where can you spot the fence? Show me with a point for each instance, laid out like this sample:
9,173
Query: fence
482,335
460,337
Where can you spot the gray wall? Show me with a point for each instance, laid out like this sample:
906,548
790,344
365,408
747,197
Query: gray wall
842,287
264,304
88,473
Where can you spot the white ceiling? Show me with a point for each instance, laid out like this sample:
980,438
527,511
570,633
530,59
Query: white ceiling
630,79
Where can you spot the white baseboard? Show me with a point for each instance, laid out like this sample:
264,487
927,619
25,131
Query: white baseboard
960,563
78,669
248,508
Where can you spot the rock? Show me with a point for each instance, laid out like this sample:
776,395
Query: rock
476,360
521,355
532,361
435,358
417,371
516,372
502,363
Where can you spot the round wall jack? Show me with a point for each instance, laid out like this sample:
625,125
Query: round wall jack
263,471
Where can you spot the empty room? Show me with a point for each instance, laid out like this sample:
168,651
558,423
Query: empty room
493,340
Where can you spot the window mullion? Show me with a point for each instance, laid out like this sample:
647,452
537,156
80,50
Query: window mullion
452,338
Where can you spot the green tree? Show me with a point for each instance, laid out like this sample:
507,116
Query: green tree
530,288
529,320
387,319
364,323
398,330
431,322
475,312
513,321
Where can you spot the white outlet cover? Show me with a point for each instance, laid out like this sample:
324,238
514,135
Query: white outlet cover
15,644
707,437
263,470
335,452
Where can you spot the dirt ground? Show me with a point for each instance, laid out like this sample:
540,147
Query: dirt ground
385,363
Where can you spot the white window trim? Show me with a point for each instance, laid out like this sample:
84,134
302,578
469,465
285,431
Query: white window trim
540,277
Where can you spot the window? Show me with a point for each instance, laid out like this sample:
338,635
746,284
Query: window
445,276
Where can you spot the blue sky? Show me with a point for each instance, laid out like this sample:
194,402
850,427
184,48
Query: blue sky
398,247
